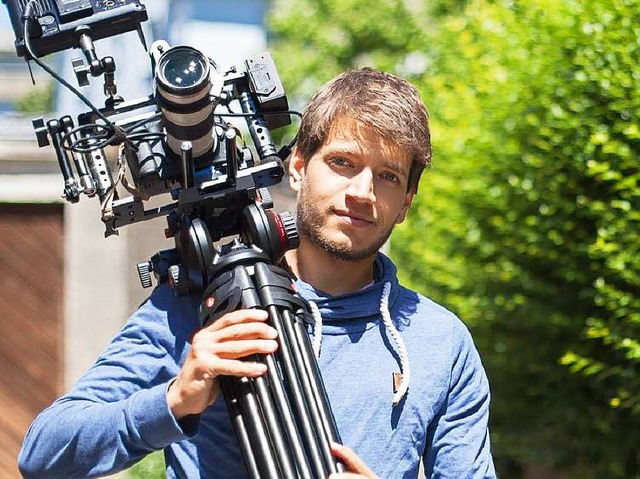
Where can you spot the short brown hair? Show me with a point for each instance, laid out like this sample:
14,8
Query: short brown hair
384,102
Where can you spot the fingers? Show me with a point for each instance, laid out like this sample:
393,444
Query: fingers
217,349
214,357
244,331
230,367
241,349
224,359
238,317
356,466
236,340
237,332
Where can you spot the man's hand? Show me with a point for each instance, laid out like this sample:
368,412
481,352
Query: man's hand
356,467
217,350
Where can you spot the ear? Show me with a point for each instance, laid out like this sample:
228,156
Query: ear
297,170
408,200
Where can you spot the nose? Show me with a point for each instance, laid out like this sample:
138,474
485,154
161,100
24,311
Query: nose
361,187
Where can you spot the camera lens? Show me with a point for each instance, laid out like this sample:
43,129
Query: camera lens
183,68
183,87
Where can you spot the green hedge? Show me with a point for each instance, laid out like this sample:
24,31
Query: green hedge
527,225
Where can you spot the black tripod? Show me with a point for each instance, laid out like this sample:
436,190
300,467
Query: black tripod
282,420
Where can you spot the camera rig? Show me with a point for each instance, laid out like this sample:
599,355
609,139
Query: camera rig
175,143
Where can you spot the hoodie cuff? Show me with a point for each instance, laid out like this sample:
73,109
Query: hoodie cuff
152,418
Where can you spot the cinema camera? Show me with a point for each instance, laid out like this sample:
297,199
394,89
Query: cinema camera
176,142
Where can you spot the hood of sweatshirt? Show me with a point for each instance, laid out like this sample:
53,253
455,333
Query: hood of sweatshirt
339,312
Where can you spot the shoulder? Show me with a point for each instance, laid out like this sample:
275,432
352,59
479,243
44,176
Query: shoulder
429,326
418,311
164,316
163,300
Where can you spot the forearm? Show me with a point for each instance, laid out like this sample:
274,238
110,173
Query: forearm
82,438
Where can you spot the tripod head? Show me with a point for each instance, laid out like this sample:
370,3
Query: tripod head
196,260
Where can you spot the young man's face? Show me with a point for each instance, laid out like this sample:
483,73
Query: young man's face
352,191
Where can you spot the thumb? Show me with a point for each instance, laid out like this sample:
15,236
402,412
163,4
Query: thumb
351,461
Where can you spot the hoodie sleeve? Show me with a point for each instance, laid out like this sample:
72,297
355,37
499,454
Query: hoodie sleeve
458,445
117,412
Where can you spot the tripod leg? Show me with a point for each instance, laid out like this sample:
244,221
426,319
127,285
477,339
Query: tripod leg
282,419
318,391
230,394
301,360
274,427
299,400
287,417
256,429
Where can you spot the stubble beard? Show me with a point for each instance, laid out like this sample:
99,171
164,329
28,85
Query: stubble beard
310,225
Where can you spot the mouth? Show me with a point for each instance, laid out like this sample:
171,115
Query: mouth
353,219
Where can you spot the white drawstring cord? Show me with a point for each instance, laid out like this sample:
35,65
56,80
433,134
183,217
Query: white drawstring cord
317,328
401,348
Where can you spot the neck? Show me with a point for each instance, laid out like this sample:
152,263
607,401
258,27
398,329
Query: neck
328,273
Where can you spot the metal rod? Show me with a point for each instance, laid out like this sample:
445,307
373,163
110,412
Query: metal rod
86,181
274,426
287,415
186,157
232,154
70,183
256,429
319,393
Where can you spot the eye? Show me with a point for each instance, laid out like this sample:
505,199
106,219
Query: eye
340,162
391,177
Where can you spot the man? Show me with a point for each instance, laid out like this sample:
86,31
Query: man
403,377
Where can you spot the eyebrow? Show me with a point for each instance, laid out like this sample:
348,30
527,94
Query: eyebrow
341,150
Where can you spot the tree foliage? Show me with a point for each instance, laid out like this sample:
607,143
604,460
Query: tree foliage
39,100
151,467
527,225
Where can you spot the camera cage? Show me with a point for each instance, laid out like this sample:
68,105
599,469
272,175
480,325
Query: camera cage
175,141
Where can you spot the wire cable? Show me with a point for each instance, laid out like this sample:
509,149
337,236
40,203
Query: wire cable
117,133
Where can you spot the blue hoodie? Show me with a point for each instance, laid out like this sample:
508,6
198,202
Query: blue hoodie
117,412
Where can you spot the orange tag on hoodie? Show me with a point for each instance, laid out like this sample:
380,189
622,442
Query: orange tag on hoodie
397,379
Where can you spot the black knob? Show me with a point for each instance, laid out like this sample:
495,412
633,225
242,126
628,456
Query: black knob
42,133
81,70
290,229
178,279
144,273
71,191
